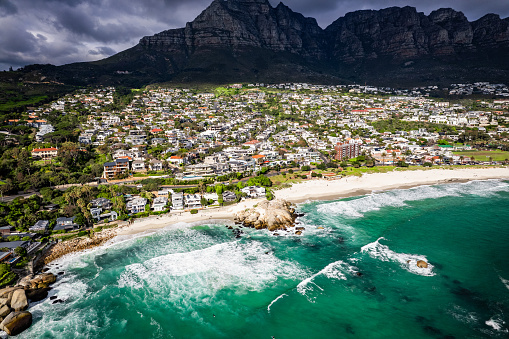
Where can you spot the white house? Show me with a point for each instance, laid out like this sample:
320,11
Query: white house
136,205
159,204
254,191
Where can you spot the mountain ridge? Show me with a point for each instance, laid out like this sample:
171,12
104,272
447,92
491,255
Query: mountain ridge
250,40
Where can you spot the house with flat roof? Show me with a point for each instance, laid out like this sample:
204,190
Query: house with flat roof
177,201
136,205
40,226
66,224
159,203
119,166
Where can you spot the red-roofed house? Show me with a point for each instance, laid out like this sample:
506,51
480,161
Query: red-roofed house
259,158
176,160
156,130
45,153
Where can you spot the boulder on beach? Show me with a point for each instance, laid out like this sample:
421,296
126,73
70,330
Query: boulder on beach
42,280
19,301
273,215
37,294
422,264
4,311
16,322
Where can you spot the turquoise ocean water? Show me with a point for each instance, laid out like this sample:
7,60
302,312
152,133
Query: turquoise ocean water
202,282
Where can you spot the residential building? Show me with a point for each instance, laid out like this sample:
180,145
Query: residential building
193,200
136,205
177,201
254,191
66,224
159,204
155,165
229,196
347,151
118,167
40,226
45,153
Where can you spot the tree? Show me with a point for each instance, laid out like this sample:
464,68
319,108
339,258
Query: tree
20,251
80,220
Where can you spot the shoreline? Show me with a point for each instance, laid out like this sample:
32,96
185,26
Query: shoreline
322,190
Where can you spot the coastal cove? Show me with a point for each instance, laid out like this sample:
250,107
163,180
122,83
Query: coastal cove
353,266
319,190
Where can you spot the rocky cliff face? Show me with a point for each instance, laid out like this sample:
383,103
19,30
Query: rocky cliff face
249,40
237,24
403,34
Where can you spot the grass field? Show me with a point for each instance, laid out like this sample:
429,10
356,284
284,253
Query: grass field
485,155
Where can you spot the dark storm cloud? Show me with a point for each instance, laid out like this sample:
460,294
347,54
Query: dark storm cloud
64,31
7,8
104,51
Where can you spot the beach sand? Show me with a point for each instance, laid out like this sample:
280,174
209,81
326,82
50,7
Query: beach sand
325,190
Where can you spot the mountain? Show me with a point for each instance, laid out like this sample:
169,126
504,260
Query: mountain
249,40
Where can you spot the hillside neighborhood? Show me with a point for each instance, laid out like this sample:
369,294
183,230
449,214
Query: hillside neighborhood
132,153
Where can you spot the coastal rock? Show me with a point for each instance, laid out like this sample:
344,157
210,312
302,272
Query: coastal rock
16,322
4,311
272,215
19,301
3,301
77,245
422,264
7,292
42,281
37,295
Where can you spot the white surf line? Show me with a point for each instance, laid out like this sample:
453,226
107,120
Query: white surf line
505,282
273,301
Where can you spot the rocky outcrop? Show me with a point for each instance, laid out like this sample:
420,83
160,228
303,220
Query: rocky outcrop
19,301
422,264
78,244
14,302
272,215
16,322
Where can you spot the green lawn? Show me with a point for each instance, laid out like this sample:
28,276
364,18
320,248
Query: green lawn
485,155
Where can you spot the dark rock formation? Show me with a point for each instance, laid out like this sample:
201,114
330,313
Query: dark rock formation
16,322
249,40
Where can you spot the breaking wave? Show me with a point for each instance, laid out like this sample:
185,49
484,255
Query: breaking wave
356,208
406,261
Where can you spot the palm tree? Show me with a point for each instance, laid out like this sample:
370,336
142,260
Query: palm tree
383,158
462,158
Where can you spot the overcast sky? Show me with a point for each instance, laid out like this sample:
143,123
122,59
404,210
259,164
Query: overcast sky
65,31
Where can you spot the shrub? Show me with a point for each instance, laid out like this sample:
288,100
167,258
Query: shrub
305,168
82,233
303,176
194,211
290,171
427,164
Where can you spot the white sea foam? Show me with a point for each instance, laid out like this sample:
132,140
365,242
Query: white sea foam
356,208
497,324
505,282
273,301
336,270
406,261
196,275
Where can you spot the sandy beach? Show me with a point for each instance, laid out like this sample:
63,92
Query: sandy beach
325,190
